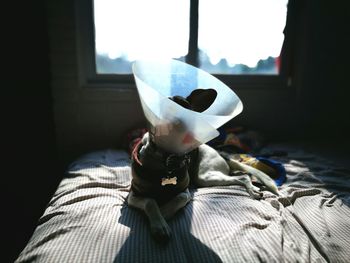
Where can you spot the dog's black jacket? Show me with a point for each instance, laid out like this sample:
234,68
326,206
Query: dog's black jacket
146,179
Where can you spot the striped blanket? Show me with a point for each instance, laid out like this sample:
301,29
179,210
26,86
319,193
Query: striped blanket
88,220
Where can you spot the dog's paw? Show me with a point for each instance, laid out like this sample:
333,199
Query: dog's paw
255,193
161,232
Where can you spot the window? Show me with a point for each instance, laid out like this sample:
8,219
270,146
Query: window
240,36
134,29
228,38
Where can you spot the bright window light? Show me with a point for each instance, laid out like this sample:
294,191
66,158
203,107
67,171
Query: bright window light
234,36
126,30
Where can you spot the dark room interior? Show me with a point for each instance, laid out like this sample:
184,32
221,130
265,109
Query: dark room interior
41,136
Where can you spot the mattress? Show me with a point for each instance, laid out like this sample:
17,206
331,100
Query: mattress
88,220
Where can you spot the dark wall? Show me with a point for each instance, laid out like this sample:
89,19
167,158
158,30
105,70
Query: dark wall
29,171
321,70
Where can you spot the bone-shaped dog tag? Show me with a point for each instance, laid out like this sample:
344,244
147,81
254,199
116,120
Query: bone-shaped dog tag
166,181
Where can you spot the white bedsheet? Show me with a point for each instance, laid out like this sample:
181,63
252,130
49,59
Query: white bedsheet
87,219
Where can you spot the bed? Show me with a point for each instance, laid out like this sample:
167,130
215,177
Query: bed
87,219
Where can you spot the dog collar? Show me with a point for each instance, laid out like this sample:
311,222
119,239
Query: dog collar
172,162
135,153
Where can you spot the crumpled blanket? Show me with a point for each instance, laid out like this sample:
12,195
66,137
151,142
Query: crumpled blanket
88,220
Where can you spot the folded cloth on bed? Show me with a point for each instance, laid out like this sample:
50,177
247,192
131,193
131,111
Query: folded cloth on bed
271,167
238,140
87,219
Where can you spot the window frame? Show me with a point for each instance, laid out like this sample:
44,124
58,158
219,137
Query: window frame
90,79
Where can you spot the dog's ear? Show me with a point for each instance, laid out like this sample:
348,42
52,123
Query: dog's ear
181,101
201,99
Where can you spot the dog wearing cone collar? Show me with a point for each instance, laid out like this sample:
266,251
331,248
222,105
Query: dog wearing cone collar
161,179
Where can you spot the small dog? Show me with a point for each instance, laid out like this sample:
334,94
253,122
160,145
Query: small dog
161,180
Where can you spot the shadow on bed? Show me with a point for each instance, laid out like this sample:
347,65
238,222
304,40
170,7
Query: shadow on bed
309,222
310,173
182,247
87,219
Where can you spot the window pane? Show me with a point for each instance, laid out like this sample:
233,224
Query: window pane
241,36
126,30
